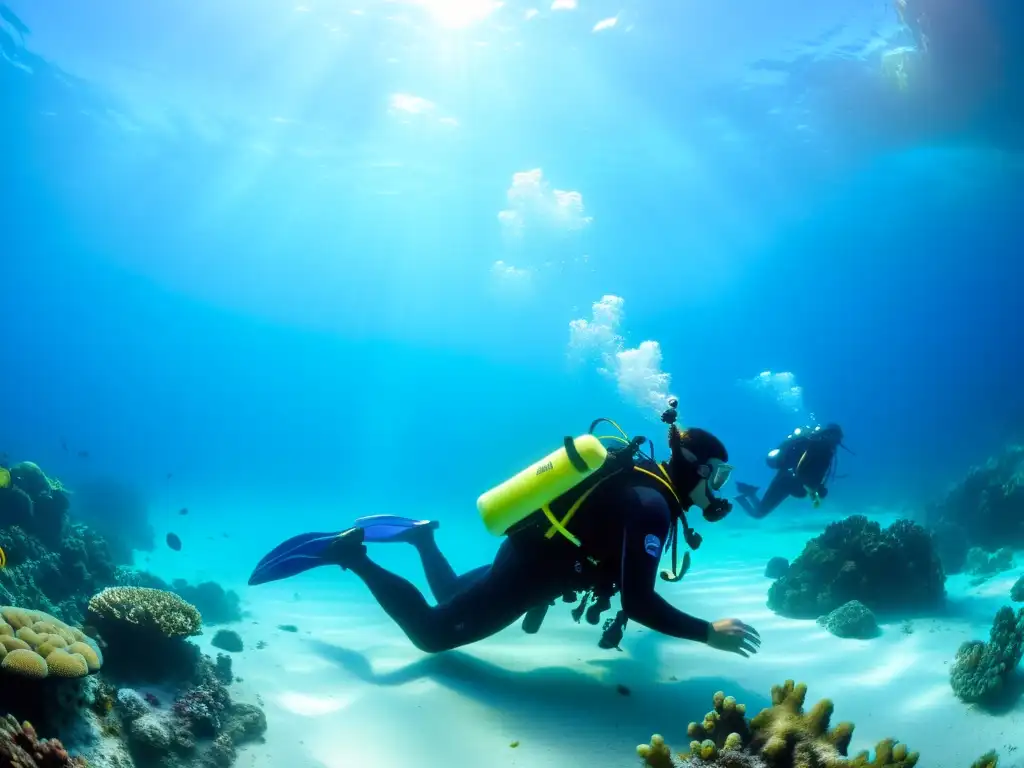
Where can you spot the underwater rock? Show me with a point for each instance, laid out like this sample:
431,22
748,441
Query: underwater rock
15,508
1017,590
981,669
228,640
855,559
951,542
983,565
149,736
222,669
130,704
776,568
118,512
986,509
216,604
852,620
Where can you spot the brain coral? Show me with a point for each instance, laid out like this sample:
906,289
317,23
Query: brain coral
153,609
34,644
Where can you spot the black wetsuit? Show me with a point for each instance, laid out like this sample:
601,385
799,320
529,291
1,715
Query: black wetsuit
802,461
623,526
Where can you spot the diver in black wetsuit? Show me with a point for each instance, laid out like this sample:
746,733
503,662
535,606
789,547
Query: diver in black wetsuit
804,463
622,530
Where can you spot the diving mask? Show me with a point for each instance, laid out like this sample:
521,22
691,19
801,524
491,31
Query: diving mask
716,473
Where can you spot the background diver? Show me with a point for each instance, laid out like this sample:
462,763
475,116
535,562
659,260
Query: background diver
804,462
628,511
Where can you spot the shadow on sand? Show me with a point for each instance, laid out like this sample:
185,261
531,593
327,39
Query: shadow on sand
570,699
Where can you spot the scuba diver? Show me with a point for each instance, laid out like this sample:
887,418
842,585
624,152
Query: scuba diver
624,508
804,462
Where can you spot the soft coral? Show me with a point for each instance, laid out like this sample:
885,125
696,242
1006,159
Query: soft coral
21,747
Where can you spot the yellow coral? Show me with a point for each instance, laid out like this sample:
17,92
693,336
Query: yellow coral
656,754
155,609
726,721
93,657
786,736
64,664
58,649
25,663
14,644
988,760
888,754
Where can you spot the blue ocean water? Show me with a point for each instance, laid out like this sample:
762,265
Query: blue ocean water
286,263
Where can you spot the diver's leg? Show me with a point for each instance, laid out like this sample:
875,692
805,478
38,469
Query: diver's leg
509,588
444,582
782,486
750,504
441,577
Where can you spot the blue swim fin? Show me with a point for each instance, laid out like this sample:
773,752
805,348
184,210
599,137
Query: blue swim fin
310,550
297,554
385,528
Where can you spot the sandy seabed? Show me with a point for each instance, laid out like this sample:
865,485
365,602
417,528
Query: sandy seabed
348,689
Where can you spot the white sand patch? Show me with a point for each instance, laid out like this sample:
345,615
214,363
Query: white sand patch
348,688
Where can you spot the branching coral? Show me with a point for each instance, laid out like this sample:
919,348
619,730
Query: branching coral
145,631
980,669
153,609
723,728
780,736
786,736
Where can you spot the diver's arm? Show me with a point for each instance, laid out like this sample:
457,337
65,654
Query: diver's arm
641,556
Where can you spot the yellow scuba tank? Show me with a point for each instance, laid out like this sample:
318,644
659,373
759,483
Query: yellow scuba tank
541,483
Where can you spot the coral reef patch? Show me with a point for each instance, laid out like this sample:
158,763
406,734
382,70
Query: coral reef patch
981,669
216,604
776,568
53,564
985,509
782,735
145,630
891,569
852,620
984,565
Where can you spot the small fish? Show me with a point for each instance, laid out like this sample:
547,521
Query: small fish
3,558
174,542
622,690
64,444
170,475
183,511
83,454
5,477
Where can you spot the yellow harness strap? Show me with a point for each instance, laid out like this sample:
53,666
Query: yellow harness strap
558,526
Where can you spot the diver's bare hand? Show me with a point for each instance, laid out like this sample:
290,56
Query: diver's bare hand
734,636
